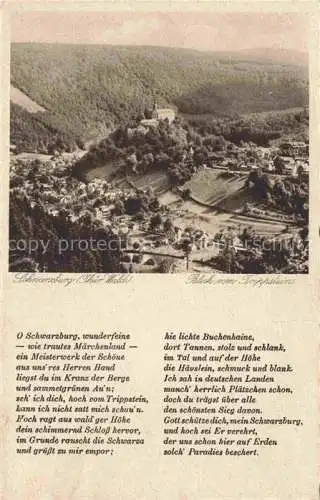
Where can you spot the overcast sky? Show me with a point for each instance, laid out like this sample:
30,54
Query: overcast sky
202,31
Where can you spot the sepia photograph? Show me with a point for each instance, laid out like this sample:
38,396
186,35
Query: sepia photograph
159,142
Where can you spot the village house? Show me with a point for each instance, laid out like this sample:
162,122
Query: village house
294,148
263,153
302,163
288,164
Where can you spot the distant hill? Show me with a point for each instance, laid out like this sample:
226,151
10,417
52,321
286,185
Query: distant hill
279,55
89,90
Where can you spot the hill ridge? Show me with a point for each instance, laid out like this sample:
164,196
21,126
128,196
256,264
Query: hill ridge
88,90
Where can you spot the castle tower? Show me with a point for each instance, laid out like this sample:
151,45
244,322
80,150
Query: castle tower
155,110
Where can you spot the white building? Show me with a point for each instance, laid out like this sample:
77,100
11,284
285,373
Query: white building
163,113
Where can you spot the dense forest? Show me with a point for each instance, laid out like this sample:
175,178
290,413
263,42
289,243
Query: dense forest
39,132
35,223
89,90
260,128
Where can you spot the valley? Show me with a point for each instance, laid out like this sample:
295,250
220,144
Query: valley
201,167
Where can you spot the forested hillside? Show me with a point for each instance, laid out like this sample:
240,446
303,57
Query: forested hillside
40,132
89,90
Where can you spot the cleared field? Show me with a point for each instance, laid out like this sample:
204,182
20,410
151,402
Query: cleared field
212,221
211,186
102,172
261,227
168,198
236,201
32,156
21,99
123,184
157,180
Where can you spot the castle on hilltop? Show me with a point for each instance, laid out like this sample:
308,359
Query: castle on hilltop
158,114
163,113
